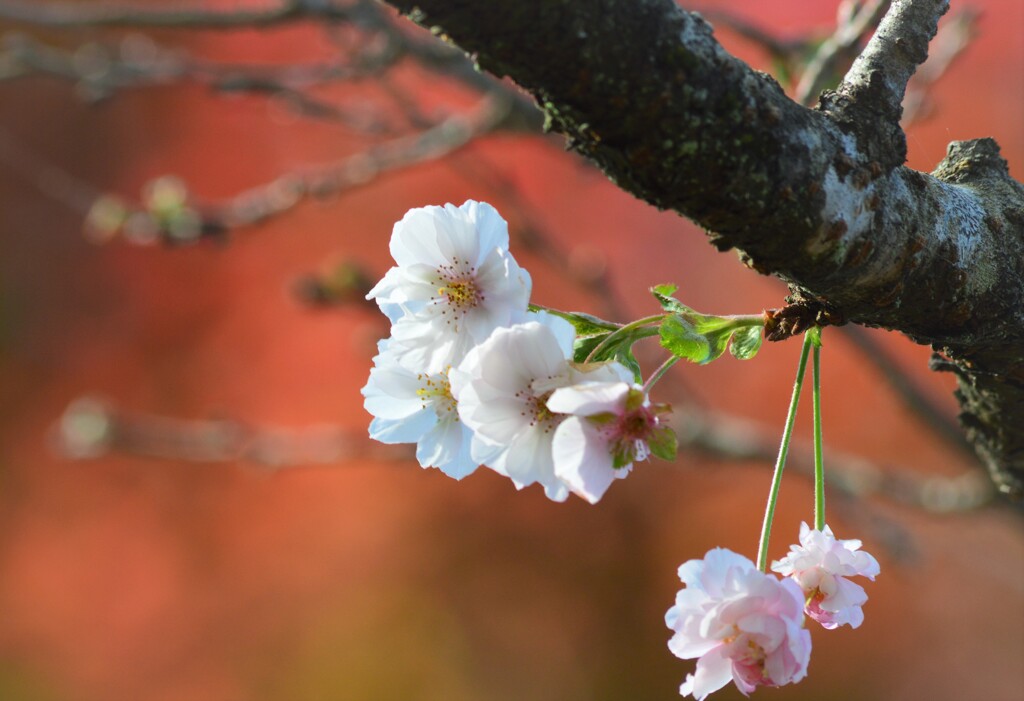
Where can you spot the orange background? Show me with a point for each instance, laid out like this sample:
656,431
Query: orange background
126,578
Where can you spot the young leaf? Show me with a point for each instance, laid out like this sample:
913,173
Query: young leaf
683,341
619,349
585,324
746,342
663,293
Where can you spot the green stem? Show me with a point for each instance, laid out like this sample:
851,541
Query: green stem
773,495
744,320
669,362
631,326
819,464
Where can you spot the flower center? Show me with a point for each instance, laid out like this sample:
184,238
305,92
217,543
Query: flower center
458,288
436,391
628,434
535,408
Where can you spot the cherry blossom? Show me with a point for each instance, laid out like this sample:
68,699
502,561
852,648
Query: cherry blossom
455,283
609,426
741,624
821,565
502,388
411,407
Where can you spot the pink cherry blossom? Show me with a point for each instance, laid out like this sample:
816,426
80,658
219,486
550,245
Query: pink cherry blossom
743,625
821,565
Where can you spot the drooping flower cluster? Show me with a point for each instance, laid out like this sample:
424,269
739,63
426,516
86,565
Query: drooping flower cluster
747,626
474,378
743,625
821,565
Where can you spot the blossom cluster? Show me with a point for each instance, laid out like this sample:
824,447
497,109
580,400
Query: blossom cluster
473,377
747,626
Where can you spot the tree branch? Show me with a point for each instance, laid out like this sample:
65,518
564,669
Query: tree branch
819,198
65,15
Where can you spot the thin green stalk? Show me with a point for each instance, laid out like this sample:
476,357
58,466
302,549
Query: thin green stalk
744,320
780,463
631,326
662,369
819,464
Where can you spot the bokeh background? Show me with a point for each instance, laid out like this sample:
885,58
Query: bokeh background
368,578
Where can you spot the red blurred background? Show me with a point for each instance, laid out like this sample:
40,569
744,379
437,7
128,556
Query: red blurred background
126,578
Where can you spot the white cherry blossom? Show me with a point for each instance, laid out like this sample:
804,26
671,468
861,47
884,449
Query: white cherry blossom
502,388
455,283
410,407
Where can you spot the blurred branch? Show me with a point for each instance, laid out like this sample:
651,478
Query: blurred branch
98,71
727,437
283,193
90,428
923,407
46,13
953,38
856,21
789,56
167,211
53,182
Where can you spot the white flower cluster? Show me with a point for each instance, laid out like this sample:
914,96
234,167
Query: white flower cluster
474,378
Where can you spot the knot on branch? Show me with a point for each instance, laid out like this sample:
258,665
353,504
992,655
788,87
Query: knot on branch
800,314
871,119
977,159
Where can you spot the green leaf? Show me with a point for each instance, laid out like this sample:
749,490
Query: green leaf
663,293
626,357
583,347
663,443
585,324
619,349
681,339
746,342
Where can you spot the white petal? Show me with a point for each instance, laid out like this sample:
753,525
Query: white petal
563,331
491,228
582,460
589,398
408,430
714,670
414,238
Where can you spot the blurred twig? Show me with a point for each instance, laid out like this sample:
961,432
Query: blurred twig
50,180
50,13
954,36
856,20
262,202
91,428
732,438
922,406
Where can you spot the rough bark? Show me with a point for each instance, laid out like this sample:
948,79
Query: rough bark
817,197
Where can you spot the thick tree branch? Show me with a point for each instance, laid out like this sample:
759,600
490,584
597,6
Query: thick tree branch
819,198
